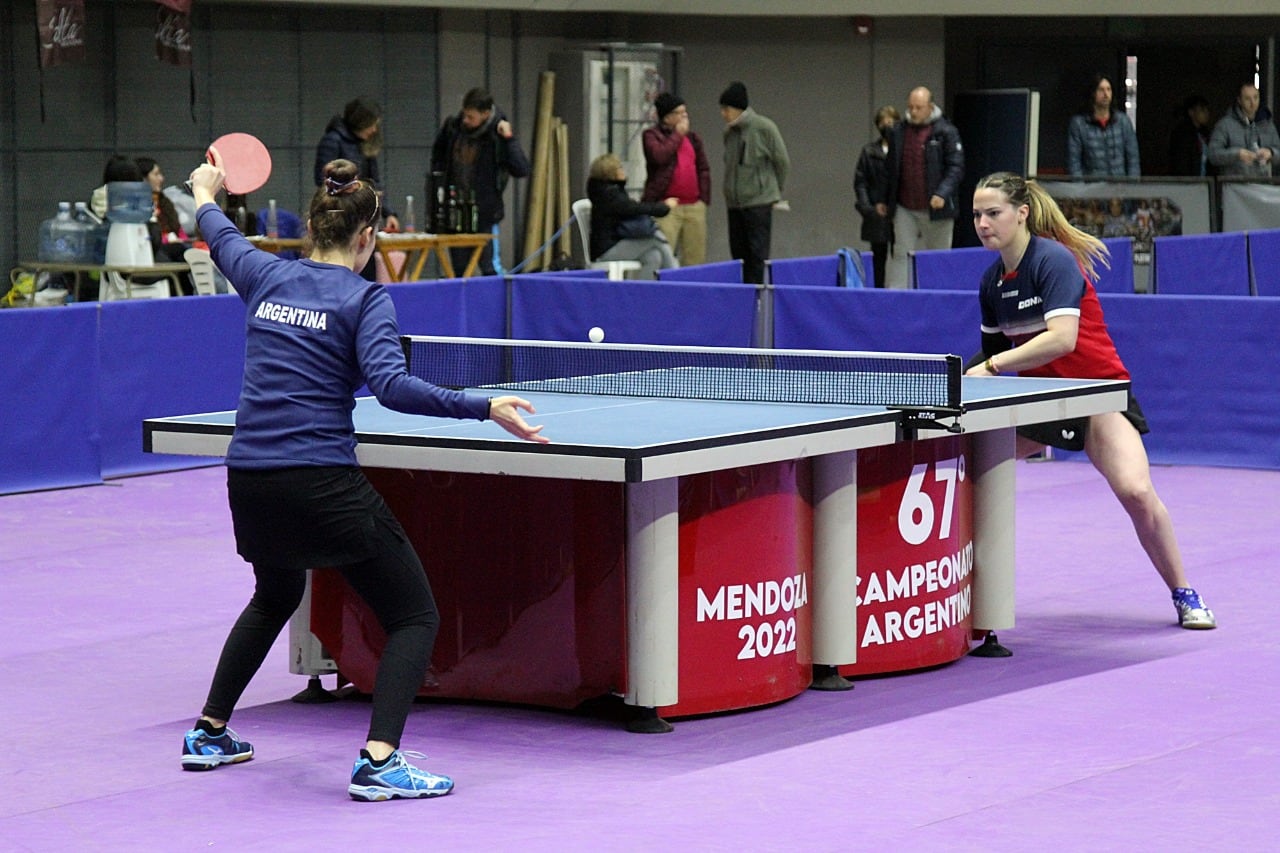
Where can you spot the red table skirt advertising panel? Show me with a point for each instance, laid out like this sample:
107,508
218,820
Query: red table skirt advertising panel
529,576
915,555
746,565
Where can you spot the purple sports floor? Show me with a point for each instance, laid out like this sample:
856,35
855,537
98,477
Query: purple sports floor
1109,728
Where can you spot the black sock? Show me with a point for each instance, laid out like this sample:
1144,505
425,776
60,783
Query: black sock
209,728
364,753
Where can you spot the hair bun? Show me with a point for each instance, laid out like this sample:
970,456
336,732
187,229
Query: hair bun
341,177
342,171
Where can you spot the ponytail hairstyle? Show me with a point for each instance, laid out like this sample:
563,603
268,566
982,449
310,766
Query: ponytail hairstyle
1045,219
342,206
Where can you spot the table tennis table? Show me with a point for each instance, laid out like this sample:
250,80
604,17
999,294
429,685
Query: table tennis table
640,456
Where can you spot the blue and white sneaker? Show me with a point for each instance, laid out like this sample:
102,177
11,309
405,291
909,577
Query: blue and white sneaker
396,778
1192,612
202,750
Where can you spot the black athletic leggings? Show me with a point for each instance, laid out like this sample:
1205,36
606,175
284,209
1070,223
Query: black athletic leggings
289,520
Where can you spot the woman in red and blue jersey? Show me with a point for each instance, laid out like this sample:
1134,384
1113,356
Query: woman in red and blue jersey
1041,317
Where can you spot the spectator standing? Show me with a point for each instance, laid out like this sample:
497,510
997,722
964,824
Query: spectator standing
477,153
1243,143
1189,140
676,167
926,165
755,171
1101,140
356,135
871,188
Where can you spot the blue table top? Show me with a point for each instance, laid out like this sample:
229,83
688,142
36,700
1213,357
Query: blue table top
624,438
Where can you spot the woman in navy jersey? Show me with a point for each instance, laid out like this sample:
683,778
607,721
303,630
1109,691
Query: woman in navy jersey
1041,317
315,333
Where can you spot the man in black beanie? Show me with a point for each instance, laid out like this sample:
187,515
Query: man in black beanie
755,171
677,168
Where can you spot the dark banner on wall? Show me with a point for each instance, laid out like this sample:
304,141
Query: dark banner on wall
173,32
60,30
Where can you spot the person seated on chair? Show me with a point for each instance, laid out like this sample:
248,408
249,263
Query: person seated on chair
169,241
622,229
117,168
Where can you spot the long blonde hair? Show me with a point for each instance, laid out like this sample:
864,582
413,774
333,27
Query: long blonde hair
1045,219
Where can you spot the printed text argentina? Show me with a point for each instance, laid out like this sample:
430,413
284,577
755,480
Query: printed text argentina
948,574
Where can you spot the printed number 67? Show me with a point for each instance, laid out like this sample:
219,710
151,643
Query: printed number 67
916,512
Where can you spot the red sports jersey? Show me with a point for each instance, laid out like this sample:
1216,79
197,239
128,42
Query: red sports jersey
1049,281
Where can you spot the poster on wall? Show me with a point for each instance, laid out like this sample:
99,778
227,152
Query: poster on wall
60,31
173,32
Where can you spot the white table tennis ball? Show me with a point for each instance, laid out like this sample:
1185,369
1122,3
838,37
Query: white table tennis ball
596,335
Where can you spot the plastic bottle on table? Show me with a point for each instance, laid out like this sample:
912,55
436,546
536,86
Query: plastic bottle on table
96,232
273,222
62,238
410,223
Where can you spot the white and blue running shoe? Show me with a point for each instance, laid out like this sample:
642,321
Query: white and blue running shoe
202,750
396,778
1192,611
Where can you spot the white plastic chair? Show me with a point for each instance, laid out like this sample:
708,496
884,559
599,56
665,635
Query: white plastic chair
113,286
617,269
203,272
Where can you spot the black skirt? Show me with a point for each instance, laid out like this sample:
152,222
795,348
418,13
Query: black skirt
1070,434
305,517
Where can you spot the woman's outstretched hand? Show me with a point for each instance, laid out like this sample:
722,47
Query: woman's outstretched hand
505,412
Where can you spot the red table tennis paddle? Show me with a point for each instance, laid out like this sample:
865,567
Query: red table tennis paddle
245,160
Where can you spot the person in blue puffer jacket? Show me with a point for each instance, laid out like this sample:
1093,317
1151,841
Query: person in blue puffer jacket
1101,141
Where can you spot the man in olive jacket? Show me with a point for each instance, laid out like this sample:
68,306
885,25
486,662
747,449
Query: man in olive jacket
755,171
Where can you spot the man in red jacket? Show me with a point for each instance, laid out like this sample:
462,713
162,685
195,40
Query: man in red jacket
677,168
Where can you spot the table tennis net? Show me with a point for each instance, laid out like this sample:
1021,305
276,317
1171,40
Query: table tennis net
703,373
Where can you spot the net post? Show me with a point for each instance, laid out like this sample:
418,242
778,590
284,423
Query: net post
955,371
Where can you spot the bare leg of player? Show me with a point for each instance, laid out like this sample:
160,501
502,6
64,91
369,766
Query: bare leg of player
1116,450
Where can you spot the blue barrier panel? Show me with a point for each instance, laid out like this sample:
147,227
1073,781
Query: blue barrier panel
1118,278
876,319
952,269
1264,261
725,272
674,313
472,307
819,271
1207,390
164,357
51,430
1201,264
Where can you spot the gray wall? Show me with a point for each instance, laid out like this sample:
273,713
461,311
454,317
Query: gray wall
279,74
281,70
